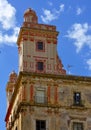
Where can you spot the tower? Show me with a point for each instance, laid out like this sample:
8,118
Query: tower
37,46
43,96
37,57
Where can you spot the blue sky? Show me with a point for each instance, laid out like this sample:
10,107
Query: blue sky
72,19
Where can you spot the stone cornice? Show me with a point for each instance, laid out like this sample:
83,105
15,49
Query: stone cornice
60,77
35,31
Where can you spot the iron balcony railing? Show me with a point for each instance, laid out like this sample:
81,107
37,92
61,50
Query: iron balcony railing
78,103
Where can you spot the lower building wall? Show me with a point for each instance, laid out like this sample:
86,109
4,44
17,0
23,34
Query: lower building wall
53,117
53,101
61,119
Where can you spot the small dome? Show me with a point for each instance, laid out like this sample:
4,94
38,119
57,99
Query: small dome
30,16
13,73
29,11
12,76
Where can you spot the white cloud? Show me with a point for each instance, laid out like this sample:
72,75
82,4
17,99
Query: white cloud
81,35
89,63
9,39
50,15
8,23
7,14
78,11
61,8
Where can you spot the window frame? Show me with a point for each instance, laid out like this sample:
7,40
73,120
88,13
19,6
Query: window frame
40,124
16,128
40,66
36,66
38,48
42,99
77,99
79,124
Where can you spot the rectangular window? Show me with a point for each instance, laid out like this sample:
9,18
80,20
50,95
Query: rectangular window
40,66
77,98
40,96
40,125
77,126
40,46
16,128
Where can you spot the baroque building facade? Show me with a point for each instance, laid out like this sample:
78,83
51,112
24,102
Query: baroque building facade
42,96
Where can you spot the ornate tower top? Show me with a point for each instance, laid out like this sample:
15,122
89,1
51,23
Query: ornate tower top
13,77
30,16
37,46
11,86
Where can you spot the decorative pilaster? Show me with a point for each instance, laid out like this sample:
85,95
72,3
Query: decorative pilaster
48,93
56,94
31,92
24,91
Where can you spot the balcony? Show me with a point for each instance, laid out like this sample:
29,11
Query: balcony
78,104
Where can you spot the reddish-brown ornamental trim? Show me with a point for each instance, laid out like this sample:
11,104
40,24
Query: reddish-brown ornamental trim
8,112
31,92
48,93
